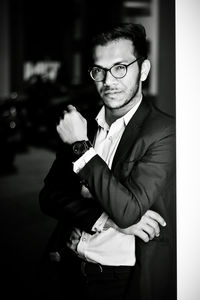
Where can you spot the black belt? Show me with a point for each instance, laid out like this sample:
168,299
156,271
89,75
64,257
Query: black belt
88,268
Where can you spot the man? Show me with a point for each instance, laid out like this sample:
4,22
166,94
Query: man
113,179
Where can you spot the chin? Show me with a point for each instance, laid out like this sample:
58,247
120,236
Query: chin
113,105
113,102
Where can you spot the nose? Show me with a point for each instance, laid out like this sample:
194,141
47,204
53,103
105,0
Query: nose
109,79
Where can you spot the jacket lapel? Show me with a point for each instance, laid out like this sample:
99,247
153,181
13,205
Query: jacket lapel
131,132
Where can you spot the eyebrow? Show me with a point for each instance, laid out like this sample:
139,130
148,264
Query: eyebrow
117,63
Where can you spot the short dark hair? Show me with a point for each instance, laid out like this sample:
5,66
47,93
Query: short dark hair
133,32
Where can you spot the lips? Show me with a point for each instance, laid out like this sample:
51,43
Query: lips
111,92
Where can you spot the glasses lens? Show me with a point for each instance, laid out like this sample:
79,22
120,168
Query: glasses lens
118,71
97,73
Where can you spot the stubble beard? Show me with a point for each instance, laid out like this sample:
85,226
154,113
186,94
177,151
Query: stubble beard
126,102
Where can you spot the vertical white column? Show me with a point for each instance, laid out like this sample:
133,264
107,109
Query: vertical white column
188,148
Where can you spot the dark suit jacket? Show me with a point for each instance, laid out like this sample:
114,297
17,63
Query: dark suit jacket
142,177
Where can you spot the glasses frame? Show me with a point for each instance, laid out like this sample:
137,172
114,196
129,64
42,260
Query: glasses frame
110,70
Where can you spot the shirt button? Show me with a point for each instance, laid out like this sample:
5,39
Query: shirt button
83,239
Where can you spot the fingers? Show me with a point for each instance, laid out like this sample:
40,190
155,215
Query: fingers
156,217
70,108
72,246
142,235
78,231
76,234
151,226
151,231
151,221
74,239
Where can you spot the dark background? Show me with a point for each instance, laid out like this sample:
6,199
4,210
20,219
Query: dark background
42,32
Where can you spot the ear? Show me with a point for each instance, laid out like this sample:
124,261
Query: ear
145,68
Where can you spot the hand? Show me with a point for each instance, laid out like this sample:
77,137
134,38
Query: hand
73,127
74,239
147,228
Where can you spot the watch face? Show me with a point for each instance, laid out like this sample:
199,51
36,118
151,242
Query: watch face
79,148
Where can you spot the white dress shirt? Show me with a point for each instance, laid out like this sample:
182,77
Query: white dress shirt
106,246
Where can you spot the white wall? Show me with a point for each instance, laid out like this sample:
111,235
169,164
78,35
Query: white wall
188,148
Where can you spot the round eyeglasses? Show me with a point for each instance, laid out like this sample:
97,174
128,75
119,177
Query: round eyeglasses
117,71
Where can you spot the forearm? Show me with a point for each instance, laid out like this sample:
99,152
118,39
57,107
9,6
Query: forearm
148,228
139,184
111,224
114,197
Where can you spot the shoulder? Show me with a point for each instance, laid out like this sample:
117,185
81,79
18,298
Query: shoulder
158,122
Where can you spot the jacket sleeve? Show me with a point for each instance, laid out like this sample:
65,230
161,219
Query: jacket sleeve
143,178
60,195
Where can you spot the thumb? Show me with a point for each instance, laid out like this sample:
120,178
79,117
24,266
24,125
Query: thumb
71,108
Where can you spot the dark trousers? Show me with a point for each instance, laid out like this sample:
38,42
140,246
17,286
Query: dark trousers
93,281
72,278
108,284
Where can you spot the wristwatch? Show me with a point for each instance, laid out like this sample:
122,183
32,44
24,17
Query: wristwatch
80,147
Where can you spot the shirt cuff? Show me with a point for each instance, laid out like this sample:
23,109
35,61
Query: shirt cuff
98,226
83,160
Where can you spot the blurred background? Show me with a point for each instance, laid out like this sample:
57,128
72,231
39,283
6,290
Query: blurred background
44,58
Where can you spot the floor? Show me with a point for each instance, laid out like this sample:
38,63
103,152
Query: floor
24,230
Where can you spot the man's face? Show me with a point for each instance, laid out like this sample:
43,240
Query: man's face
117,93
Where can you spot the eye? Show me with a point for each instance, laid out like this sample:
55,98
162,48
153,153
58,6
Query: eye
96,70
119,68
